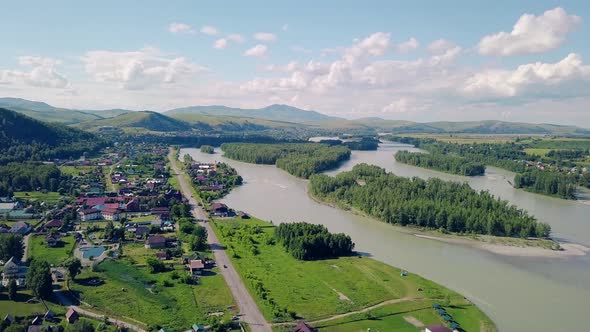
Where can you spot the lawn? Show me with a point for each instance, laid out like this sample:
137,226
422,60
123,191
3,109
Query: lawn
537,152
21,308
49,197
153,299
76,170
54,256
320,289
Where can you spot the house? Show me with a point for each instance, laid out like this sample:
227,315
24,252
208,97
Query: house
9,319
53,224
72,316
162,255
437,328
303,327
90,202
219,209
90,214
14,270
198,328
195,267
52,240
21,228
156,242
110,214
49,315
4,228
38,320
141,232
132,205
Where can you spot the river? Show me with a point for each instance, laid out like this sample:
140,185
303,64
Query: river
518,293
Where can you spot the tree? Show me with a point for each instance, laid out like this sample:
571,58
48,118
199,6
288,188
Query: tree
109,230
11,245
12,290
81,325
155,265
74,267
39,279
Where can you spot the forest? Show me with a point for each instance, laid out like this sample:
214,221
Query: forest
442,162
299,159
207,149
311,242
556,184
30,177
434,203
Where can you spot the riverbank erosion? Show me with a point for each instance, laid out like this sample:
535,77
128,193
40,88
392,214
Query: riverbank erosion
348,293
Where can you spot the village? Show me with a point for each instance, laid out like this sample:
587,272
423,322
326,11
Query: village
125,207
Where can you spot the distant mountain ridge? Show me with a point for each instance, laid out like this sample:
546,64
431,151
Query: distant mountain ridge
273,117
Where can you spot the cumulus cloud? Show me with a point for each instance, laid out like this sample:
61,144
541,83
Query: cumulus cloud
236,38
528,77
407,46
209,30
531,34
138,69
178,27
400,105
257,51
220,43
265,36
440,46
41,73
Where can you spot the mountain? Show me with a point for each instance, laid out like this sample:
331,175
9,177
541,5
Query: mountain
275,112
147,120
45,112
24,138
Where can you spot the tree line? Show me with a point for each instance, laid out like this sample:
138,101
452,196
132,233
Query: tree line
30,176
551,183
299,159
310,242
441,162
433,203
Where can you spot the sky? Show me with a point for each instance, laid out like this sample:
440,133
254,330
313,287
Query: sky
411,60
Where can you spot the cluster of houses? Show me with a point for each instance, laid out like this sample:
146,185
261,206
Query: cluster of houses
204,176
15,209
548,166
36,324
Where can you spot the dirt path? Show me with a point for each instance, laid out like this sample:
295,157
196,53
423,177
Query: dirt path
26,240
250,313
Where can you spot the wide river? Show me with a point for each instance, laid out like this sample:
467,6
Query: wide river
518,293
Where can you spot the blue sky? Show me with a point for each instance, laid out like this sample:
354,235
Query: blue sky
414,60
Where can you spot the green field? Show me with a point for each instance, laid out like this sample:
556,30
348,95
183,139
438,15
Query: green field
153,299
76,170
21,308
537,152
49,197
54,256
316,290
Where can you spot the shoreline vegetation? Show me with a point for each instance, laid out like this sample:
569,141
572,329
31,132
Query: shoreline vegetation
347,293
298,159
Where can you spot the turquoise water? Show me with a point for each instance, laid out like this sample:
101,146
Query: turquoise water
92,252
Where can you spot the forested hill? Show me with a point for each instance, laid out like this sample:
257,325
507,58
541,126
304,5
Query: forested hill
23,138
152,121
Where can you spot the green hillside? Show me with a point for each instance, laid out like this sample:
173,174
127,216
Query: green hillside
151,121
24,138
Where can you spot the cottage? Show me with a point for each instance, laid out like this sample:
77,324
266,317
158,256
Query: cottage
195,267
52,240
21,228
14,270
162,255
156,242
89,214
303,327
72,316
219,209
141,232
4,228
53,224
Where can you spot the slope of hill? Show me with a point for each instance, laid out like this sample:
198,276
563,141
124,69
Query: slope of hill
148,120
45,112
24,138
273,112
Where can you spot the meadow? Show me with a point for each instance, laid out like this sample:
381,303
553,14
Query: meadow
54,256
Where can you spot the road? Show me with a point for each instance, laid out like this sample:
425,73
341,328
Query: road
250,314
67,302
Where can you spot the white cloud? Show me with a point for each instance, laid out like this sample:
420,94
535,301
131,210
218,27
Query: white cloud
236,38
138,69
531,34
530,78
265,36
400,105
220,43
257,51
440,46
407,46
209,30
42,73
178,27
300,49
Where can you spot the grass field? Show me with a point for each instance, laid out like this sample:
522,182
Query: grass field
21,308
537,152
320,289
49,197
54,256
153,299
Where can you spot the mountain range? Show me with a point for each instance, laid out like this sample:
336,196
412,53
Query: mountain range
273,117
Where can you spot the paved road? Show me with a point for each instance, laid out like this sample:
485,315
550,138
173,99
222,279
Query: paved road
67,302
250,313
